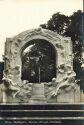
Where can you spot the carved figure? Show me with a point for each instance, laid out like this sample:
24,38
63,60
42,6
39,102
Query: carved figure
9,86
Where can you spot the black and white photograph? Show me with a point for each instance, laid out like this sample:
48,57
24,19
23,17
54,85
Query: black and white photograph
42,62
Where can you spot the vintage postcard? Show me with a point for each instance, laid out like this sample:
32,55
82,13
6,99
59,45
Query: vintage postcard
41,62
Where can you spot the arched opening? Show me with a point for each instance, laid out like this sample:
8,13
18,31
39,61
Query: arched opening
38,61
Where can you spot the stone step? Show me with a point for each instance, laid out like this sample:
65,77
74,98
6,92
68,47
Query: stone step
42,122
41,113
24,106
64,113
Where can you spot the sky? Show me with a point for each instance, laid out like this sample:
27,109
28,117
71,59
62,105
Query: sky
17,16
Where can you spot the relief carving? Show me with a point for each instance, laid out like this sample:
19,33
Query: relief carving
22,90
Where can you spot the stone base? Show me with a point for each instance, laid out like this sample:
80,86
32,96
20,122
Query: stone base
37,94
35,100
70,96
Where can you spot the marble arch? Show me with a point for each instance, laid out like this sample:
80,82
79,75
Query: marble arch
64,64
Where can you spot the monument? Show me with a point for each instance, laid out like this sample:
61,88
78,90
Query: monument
35,80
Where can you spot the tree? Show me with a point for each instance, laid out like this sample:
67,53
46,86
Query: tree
73,30
41,57
1,71
57,23
68,26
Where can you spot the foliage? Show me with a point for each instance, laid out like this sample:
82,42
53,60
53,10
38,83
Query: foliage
41,56
73,31
1,71
68,26
57,23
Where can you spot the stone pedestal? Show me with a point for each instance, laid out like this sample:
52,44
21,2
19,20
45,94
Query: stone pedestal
37,94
